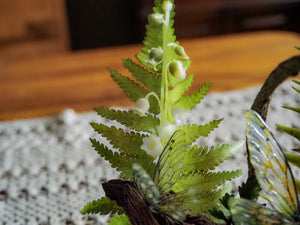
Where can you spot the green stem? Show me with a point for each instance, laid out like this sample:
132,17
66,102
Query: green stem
164,80
156,96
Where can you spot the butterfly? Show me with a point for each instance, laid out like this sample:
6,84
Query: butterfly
274,176
157,191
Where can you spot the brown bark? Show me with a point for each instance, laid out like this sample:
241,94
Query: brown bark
289,67
137,210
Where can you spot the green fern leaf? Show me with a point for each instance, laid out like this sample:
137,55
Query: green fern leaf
134,90
295,109
160,34
127,143
179,89
146,123
102,206
189,102
209,200
290,130
296,81
158,31
152,81
204,158
119,161
120,220
203,181
194,131
294,159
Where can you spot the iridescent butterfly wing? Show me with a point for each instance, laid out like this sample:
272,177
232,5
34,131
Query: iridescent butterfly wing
166,174
272,170
274,176
158,191
146,186
170,162
246,212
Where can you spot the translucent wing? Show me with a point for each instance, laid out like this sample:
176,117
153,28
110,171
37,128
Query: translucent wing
158,191
170,162
271,167
146,186
246,212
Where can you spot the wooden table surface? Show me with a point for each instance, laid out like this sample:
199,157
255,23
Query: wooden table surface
35,87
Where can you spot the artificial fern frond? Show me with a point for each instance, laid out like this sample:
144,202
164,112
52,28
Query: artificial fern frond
295,109
189,101
159,32
296,89
134,121
203,181
120,220
294,159
194,131
151,80
123,162
180,88
118,161
204,158
126,142
295,132
102,206
210,199
133,90
128,145
290,130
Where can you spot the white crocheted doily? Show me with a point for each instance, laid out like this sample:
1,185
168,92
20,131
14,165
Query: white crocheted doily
49,171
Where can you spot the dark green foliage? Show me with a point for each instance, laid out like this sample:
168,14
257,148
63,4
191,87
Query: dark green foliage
147,123
102,206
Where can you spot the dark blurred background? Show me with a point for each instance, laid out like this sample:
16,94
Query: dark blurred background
35,27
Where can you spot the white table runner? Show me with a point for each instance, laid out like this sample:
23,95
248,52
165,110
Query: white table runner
48,170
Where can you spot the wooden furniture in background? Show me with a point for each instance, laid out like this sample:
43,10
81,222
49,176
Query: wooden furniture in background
32,27
95,23
33,87
198,18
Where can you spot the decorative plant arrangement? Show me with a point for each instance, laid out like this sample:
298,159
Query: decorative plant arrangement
165,178
182,181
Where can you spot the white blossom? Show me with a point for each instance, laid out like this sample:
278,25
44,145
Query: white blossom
166,130
179,114
158,17
152,145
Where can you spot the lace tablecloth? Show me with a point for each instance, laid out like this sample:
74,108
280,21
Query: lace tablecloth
48,170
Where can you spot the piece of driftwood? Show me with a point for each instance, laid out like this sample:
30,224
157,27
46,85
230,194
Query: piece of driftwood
288,68
139,213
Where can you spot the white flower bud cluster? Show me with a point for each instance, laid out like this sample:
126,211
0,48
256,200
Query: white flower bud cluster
152,145
158,18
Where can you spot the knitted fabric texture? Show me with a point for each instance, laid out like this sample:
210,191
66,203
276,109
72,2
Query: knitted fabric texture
49,171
